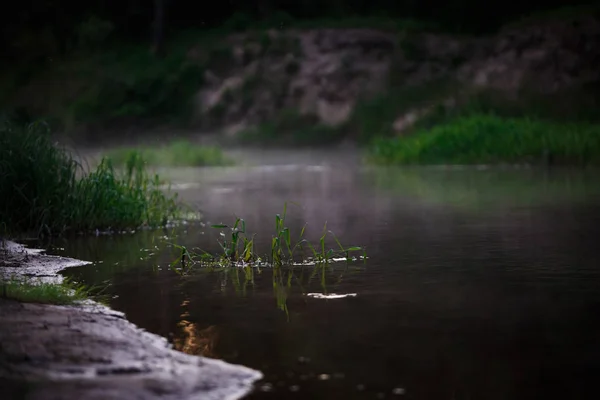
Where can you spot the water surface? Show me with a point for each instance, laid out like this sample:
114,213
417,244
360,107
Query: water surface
480,283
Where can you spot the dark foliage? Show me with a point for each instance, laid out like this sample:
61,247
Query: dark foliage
56,26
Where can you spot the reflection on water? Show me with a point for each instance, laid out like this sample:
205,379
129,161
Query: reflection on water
196,341
479,283
471,187
191,339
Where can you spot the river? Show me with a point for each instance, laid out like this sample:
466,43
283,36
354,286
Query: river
479,282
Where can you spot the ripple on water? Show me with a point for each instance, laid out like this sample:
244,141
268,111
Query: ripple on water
330,296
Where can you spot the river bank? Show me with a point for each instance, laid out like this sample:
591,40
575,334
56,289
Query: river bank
89,351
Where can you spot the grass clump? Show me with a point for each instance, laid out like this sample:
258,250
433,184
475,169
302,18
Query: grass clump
109,200
239,254
238,248
46,191
176,154
490,139
42,292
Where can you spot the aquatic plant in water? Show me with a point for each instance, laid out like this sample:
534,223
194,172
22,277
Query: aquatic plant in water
287,258
238,249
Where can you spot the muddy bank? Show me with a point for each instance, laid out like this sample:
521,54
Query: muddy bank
88,351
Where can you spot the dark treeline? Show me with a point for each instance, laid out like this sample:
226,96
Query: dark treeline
55,26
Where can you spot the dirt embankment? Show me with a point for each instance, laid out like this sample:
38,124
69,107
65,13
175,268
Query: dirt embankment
89,351
324,74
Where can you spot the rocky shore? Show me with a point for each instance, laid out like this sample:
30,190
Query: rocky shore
50,352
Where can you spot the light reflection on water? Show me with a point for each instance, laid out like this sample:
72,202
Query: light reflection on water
479,283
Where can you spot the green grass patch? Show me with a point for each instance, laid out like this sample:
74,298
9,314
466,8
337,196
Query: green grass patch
490,139
45,191
175,154
374,117
45,293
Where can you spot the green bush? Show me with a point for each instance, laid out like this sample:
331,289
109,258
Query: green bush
46,191
140,85
490,139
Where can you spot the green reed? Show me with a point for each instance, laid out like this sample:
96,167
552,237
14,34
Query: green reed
45,191
238,249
